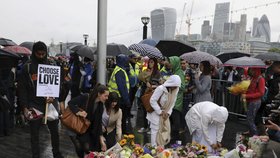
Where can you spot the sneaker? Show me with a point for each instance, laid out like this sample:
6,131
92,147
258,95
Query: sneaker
143,130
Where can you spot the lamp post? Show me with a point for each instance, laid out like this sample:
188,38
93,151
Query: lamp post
145,21
85,37
60,44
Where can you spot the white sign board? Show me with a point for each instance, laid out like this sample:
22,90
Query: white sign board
48,81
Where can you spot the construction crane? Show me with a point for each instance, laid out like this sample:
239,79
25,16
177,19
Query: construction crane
184,8
188,21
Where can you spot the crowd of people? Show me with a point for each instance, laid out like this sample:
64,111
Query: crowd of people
182,98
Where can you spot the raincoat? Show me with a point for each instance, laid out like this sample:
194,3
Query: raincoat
167,101
206,123
176,68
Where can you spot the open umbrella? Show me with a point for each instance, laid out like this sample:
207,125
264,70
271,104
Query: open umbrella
86,51
114,49
198,56
7,42
231,55
269,56
146,50
7,59
18,50
150,42
28,45
75,48
173,48
245,62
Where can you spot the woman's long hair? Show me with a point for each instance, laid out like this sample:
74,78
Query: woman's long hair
113,97
206,67
98,89
155,68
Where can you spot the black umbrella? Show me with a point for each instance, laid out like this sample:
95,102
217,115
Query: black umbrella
114,49
7,42
232,55
269,56
28,45
7,59
173,48
86,51
75,48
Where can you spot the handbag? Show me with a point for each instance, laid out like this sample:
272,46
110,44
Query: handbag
146,100
76,123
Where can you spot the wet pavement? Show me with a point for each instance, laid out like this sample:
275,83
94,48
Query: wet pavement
18,143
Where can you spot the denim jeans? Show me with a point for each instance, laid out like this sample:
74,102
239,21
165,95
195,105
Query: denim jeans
253,108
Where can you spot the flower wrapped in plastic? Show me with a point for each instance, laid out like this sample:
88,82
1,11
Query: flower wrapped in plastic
258,144
239,88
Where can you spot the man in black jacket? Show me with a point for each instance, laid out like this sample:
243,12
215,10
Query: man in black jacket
27,97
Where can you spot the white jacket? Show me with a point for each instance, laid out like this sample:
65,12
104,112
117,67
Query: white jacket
205,113
161,93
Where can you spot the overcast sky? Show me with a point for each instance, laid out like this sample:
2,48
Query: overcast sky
68,20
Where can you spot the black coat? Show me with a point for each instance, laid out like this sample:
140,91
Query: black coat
94,114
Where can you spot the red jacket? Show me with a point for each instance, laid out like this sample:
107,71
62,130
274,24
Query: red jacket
256,89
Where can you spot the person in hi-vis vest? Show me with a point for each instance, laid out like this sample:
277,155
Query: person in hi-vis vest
119,83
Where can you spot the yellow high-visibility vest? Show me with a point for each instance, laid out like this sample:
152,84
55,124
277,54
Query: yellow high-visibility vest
134,72
113,87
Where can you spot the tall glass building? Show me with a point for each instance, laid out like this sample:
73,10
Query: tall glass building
163,22
220,18
263,29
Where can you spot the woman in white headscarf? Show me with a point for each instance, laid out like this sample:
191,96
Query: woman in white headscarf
163,101
206,122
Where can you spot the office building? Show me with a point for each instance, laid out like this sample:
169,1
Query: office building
221,16
205,29
263,29
163,23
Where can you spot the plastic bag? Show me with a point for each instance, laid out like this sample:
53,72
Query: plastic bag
52,113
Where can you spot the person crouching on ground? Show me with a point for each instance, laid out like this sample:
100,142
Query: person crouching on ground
206,123
163,101
112,120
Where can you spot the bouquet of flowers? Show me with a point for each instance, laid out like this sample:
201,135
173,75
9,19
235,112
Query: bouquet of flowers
258,144
239,88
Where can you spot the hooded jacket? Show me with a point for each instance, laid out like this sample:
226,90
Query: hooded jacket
161,94
122,61
205,113
27,85
176,69
257,87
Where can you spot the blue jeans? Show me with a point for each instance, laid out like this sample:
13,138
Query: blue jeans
274,135
253,108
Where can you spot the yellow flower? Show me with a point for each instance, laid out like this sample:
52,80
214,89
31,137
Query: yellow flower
132,143
125,136
123,142
131,136
203,147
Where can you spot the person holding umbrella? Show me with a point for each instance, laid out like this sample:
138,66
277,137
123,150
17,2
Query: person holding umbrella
27,97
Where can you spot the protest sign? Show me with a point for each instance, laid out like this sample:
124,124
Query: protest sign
48,81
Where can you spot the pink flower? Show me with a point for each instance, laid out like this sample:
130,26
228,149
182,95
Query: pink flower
191,154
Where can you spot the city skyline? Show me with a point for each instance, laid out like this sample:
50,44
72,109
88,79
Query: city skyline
62,21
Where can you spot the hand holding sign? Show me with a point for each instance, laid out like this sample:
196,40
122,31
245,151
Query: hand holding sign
48,83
